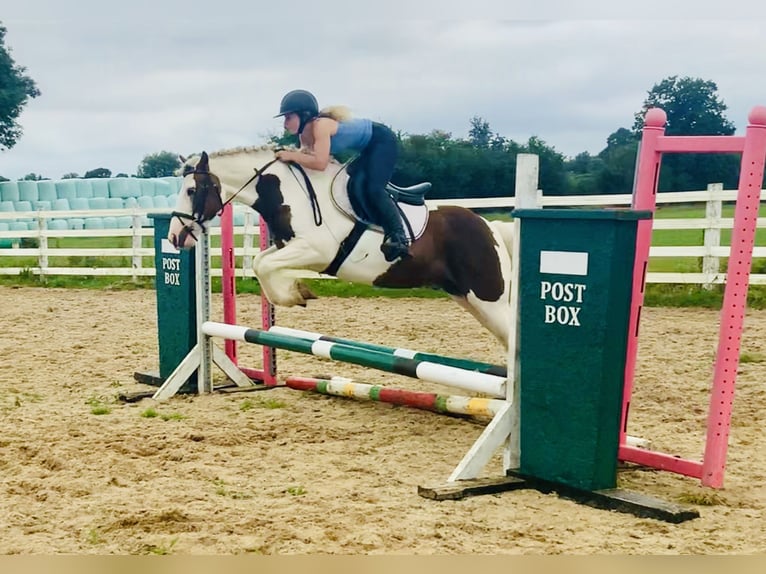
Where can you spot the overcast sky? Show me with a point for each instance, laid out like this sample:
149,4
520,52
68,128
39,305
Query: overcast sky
121,81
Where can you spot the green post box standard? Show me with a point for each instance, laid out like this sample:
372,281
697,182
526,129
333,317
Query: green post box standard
575,289
176,301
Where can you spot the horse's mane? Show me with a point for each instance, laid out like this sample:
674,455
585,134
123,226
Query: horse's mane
192,160
244,149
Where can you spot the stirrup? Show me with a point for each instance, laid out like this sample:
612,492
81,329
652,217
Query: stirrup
397,239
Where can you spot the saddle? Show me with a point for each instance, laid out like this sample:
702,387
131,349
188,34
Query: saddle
411,195
410,202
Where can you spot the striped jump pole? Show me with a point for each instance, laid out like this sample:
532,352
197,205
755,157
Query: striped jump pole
465,364
492,385
343,387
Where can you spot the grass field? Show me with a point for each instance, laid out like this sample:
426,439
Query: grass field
679,295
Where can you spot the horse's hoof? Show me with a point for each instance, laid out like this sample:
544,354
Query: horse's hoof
305,292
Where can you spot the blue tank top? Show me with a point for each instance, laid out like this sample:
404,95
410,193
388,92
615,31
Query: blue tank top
353,134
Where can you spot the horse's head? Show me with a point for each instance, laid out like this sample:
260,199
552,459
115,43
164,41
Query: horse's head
269,190
199,201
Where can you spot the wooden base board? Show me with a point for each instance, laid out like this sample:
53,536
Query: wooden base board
153,378
474,487
148,378
608,499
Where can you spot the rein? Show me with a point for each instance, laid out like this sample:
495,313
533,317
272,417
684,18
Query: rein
312,195
257,173
309,186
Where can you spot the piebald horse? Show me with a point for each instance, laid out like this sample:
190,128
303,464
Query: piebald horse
313,228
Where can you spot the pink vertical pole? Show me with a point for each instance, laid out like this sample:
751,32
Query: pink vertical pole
267,316
735,298
268,374
644,198
228,286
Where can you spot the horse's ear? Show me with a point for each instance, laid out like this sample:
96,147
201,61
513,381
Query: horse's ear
203,164
181,158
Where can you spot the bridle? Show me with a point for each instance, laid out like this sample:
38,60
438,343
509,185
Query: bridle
188,220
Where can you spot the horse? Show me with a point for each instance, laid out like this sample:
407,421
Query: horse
452,248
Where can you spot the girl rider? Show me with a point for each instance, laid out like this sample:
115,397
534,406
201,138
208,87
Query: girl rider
333,131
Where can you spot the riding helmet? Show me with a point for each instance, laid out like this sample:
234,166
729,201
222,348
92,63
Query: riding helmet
299,102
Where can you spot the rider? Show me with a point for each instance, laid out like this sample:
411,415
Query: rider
332,131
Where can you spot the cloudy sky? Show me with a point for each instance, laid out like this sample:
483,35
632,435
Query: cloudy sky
121,81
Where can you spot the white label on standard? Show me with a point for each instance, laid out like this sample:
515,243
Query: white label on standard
168,247
564,262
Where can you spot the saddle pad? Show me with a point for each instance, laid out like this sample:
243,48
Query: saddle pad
416,215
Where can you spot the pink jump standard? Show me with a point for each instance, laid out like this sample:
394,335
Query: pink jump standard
752,146
268,374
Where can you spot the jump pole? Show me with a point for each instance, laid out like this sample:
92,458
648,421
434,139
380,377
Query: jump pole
443,404
465,364
492,385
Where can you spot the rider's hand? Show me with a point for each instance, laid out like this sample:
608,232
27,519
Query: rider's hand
284,155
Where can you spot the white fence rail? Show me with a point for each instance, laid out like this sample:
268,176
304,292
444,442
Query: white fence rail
710,251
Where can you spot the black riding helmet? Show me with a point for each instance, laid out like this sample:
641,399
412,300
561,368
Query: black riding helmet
299,102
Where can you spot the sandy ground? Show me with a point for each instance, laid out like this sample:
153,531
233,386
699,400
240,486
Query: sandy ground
285,472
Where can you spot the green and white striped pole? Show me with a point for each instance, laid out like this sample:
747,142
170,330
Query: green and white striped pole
492,385
466,364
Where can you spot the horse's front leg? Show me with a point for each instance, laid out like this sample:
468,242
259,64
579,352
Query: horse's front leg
277,271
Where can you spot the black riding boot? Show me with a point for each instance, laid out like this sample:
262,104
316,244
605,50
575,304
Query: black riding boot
395,242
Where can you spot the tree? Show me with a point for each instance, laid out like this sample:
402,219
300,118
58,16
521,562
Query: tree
584,173
479,135
99,172
15,89
32,177
621,137
693,108
618,160
619,168
458,169
70,175
160,164
582,163
455,168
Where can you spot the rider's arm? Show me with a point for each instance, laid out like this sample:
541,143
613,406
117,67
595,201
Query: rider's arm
318,156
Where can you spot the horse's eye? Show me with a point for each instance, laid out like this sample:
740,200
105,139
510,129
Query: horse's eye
191,191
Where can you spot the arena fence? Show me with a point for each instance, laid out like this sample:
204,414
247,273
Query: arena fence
44,250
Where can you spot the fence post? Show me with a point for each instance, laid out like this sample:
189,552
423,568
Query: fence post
712,235
42,243
136,245
527,195
247,242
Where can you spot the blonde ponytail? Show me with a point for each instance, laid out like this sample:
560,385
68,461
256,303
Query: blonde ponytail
337,113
